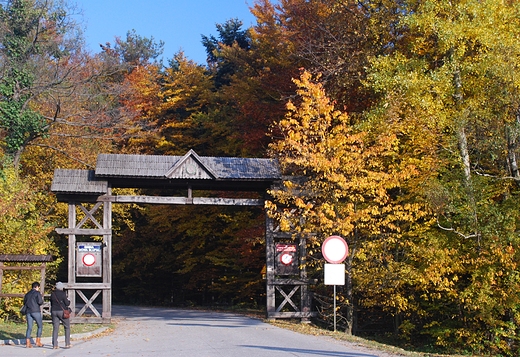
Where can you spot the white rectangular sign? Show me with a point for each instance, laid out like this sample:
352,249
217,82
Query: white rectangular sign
334,274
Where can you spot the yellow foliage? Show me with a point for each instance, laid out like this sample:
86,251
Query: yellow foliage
22,231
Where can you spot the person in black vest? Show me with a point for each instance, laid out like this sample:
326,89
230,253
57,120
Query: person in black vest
59,302
34,300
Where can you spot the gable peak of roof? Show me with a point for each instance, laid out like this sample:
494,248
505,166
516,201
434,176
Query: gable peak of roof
191,166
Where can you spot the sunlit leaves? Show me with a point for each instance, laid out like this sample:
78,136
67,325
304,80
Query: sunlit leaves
23,230
348,176
449,91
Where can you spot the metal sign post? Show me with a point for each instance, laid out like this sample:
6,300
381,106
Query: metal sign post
334,275
334,308
334,250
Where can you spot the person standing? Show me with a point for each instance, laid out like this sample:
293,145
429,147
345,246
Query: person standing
59,302
34,300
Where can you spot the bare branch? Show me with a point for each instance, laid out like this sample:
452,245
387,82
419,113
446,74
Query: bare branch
455,231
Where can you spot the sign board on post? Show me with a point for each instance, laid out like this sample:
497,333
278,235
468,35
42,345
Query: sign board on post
88,259
334,249
334,274
286,260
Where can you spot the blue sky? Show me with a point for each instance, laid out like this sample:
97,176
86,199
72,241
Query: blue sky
179,23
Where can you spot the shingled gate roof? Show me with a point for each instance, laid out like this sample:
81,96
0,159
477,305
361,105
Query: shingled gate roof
156,171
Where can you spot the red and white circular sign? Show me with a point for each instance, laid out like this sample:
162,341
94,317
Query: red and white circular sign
89,259
334,249
286,258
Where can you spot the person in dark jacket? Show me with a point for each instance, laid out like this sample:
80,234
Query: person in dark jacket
59,302
34,300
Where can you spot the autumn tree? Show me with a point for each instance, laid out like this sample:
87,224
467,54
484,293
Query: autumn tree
450,90
32,37
257,75
330,38
230,34
137,50
50,86
348,183
23,230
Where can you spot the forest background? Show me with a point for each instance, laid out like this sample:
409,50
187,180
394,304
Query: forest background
400,119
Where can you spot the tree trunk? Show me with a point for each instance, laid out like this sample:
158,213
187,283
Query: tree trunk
349,294
512,144
464,154
17,157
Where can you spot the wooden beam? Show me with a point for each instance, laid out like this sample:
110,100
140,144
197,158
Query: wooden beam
21,268
12,295
87,286
25,258
294,281
83,232
227,201
292,315
216,201
21,295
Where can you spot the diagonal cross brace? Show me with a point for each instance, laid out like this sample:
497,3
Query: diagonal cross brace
90,215
287,299
88,303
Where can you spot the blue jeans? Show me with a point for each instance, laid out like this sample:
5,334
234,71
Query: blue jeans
31,318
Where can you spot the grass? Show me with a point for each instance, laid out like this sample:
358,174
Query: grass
16,330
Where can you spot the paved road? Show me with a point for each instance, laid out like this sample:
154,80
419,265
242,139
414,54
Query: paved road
167,332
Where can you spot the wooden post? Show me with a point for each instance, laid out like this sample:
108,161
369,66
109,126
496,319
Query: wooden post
107,258
305,300
42,279
269,261
72,257
1,275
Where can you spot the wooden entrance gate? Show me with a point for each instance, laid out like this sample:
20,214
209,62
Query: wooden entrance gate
89,193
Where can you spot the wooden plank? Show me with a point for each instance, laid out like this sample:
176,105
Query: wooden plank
145,199
87,286
82,231
21,268
294,281
12,295
20,295
292,315
284,235
227,201
22,258
215,201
